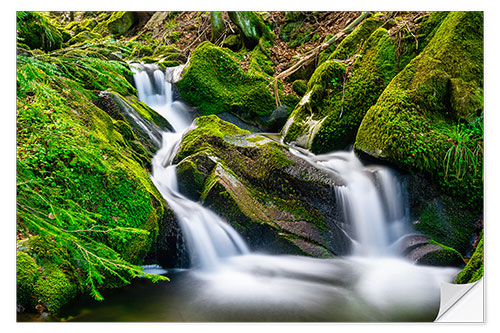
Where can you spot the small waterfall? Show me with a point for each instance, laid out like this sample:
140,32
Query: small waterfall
208,237
371,201
235,285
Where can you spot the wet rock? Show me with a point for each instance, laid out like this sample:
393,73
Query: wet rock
277,201
421,250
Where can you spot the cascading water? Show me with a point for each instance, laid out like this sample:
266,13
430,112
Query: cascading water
208,237
231,284
371,200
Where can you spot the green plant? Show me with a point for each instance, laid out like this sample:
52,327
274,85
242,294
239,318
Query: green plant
460,157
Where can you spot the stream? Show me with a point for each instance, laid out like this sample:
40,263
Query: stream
228,282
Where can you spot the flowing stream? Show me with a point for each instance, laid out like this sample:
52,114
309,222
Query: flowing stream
230,283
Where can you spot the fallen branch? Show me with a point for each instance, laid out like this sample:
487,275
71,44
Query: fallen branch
310,55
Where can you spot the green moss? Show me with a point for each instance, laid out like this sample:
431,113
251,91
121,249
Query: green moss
353,42
83,37
206,127
447,256
120,22
337,102
300,87
251,26
36,30
79,180
474,270
27,274
444,222
54,289
413,122
215,83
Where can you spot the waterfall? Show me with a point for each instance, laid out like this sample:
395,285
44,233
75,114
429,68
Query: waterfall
208,237
371,201
228,283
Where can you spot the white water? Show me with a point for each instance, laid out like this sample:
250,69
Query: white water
372,201
373,284
208,237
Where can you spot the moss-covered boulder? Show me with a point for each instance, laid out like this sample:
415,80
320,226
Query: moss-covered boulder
26,275
137,122
278,202
214,82
46,279
338,96
252,27
121,22
417,123
421,250
352,43
474,269
36,30
349,80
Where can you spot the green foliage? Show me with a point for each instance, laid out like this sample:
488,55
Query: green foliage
78,182
120,22
460,159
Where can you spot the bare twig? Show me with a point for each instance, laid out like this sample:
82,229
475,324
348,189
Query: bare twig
416,39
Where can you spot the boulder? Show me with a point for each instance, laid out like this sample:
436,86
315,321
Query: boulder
251,27
214,82
417,121
421,250
121,22
277,201
37,31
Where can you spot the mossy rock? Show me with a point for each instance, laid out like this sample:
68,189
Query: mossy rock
444,221
422,250
214,82
474,269
192,173
436,254
83,37
216,25
252,27
121,22
300,87
92,192
233,42
45,276
36,30
54,289
272,193
330,112
413,122
27,274
352,43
